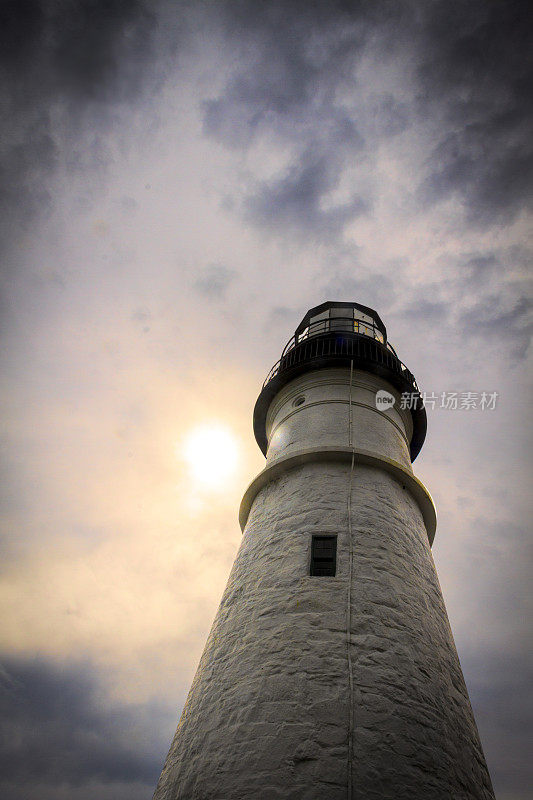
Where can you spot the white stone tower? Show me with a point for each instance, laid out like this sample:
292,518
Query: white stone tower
330,672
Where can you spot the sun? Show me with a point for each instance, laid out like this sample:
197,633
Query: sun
211,453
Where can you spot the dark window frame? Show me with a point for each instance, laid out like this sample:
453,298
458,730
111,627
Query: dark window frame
323,562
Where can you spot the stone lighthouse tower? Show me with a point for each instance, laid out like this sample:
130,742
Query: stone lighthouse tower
330,672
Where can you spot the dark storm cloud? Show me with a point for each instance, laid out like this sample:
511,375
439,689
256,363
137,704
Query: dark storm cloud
214,280
478,305
374,289
294,58
283,318
481,266
57,732
391,292
500,673
288,89
500,690
79,49
478,68
505,320
427,308
294,199
76,56
495,568
472,303
473,73
473,76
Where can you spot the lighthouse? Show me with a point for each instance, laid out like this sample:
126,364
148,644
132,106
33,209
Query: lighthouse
330,672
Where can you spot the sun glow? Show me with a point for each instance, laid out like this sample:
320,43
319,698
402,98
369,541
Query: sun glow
211,453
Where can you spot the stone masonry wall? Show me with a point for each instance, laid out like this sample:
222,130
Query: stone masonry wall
269,710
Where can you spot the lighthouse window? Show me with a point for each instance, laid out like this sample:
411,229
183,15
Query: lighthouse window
323,555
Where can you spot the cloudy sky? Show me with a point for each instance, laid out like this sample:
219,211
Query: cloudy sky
180,182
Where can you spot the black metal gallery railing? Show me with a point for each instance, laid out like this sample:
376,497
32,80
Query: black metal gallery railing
330,343
319,327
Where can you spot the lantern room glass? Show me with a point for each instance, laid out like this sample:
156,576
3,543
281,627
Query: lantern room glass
340,318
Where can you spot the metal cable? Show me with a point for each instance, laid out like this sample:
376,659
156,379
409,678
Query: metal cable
349,597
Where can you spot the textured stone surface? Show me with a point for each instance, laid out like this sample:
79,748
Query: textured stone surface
270,708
